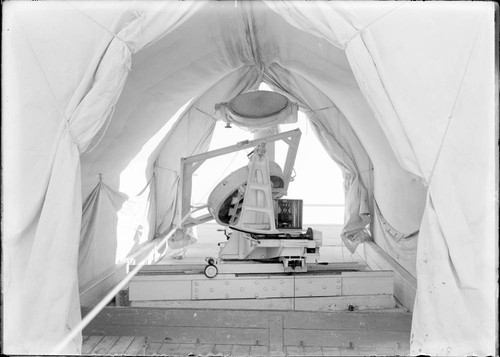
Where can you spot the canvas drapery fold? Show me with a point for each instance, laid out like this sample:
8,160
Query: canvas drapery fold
388,48
41,300
341,143
425,72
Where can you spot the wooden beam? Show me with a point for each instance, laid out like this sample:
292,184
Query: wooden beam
276,332
405,284
93,291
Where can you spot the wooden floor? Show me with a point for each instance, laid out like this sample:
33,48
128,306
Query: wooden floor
142,346
208,332
166,332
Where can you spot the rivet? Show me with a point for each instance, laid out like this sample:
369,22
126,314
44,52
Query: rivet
296,288
196,290
211,290
265,289
256,282
256,295
281,294
226,282
282,282
310,281
196,296
242,288
196,283
227,295
324,287
273,288
310,294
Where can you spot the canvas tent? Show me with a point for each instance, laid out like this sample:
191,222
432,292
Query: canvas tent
401,95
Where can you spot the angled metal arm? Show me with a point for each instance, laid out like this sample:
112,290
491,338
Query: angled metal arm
190,164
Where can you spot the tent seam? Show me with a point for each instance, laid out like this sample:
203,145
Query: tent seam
100,25
360,31
65,119
450,117
203,112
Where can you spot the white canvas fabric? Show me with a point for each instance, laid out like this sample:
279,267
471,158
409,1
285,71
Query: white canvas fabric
105,98
429,92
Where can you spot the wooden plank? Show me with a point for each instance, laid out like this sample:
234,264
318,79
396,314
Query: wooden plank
405,284
313,351
327,303
104,345
259,351
243,336
373,351
175,317
152,348
241,350
159,290
225,350
90,343
294,351
275,333
137,347
178,286
348,321
121,345
237,304
93,291
204,349
331,351
342,303
352,285
168,349
242,287
185,349
242,267
346,338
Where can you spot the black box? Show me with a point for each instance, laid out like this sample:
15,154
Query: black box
289,214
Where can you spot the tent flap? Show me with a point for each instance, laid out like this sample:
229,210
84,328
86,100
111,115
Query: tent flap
103,100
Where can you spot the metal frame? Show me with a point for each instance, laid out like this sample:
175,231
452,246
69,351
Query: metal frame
190,164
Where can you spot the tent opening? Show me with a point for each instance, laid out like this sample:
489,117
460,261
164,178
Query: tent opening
317,181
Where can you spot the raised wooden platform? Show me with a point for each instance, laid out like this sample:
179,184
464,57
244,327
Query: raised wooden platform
330,287
160,331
